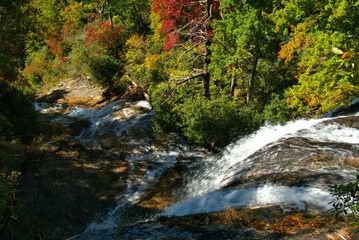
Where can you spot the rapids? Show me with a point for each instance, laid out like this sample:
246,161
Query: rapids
290,165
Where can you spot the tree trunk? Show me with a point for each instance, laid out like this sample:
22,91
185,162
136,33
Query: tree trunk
205,82
233,81
251,78
207,77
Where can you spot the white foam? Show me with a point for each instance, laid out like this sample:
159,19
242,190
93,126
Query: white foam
238,152
204,194
298,197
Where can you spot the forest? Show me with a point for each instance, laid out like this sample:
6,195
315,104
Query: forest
214,69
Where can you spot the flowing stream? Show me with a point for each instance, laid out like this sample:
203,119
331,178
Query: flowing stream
205,191
289,165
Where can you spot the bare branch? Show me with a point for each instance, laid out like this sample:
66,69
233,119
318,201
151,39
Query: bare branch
185,79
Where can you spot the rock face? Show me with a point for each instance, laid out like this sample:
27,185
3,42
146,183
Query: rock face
299,162
81,92
78,92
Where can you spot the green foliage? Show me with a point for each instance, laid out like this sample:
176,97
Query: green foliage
321,35
277,111
212,123
215,123
347,200
8,184
38,67
104,68
136,49
13,30
244,37
134,14
17,125
166,118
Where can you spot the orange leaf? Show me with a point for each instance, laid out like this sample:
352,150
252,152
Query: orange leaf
345,54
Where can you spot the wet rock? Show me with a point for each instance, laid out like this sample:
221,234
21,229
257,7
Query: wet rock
299,179
79,125
163,192
351,121
297,162
68,187
257,223
151,230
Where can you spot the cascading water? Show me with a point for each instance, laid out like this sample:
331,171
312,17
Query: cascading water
290,165
128,125
204,193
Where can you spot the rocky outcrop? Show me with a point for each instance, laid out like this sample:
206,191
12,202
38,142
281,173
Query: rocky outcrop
301,162
81,92
74,92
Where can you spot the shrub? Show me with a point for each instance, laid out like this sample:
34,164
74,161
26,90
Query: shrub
167,116
104,68
8,184
210,123
215,123
278,110
38,65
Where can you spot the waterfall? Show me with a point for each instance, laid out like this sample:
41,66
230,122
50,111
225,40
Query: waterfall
260,169
204,193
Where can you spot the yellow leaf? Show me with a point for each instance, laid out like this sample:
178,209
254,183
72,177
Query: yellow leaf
337,51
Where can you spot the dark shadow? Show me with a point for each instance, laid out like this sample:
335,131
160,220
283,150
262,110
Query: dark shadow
63,189
53,97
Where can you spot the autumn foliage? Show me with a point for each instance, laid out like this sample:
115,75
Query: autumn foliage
104,34
185,18
237,62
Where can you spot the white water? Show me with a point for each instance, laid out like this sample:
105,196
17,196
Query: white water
121,118
117,117
204,194
204,191
269,194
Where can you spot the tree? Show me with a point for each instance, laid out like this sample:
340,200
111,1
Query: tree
322,35
188,28
243,37
13,32
133,14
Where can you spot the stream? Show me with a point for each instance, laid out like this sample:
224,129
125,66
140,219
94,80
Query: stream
289,165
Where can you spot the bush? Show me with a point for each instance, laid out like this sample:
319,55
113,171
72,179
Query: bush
43,68
216,123
209,123
167,117
38,65
8,184
104,68
277,110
